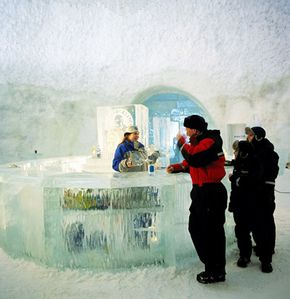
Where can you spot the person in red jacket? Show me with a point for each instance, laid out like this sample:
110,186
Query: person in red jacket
204,160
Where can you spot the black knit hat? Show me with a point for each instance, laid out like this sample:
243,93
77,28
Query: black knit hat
259,132
245,146
195,122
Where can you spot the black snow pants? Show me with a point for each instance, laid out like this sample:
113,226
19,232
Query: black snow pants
206,225
264,229
244,214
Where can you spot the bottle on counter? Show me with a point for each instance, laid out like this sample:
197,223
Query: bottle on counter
151,169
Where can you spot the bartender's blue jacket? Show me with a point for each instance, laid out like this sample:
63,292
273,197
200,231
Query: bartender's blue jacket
123,151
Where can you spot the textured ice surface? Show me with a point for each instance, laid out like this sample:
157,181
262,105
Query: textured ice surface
56,213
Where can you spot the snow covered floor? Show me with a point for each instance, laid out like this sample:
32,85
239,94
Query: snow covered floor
25,280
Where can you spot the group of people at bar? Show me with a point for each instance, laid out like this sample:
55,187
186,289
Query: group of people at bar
251,199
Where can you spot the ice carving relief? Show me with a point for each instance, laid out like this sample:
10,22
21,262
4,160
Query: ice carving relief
112,121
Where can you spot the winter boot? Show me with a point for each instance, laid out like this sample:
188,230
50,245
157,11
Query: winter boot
266,267
243,262
207,277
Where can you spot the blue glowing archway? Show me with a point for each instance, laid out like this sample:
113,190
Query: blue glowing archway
167,110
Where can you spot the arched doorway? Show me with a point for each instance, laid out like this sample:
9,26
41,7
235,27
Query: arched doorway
167,111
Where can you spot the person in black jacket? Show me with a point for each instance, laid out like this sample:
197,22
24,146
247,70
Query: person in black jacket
264,204
244,186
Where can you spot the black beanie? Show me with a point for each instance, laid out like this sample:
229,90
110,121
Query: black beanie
195,122
245,147
259,132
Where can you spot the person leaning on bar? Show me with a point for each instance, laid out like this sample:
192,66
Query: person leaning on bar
204,160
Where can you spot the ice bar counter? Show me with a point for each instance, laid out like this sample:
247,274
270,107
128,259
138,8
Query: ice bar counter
60,213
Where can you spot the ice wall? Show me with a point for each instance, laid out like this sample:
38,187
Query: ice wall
59,59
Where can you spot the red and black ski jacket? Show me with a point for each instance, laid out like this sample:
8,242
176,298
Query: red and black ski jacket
203,158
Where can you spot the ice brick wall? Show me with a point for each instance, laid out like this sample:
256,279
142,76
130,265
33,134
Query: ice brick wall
59,59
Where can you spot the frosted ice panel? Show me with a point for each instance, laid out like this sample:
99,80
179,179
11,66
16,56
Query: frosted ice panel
113,120
125,231
21,227
182,203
